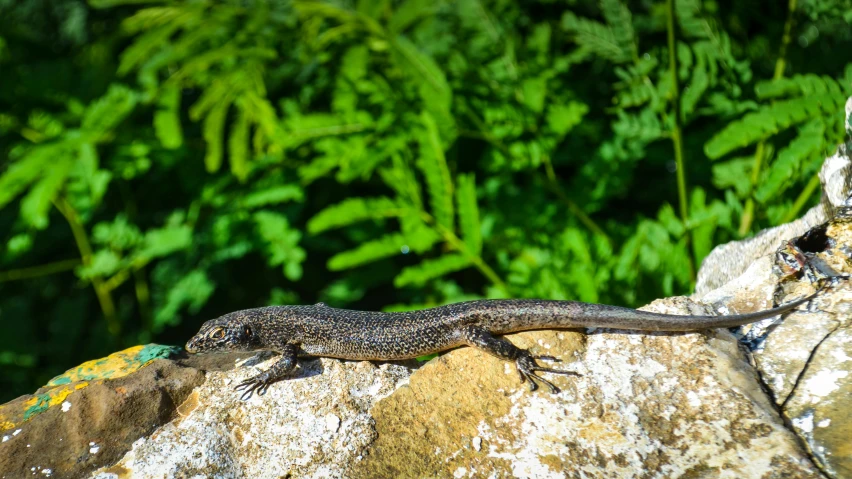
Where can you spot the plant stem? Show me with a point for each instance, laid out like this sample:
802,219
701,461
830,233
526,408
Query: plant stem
759,152
41,270
143,297
456,242
803,197
677,135
553,182
82,240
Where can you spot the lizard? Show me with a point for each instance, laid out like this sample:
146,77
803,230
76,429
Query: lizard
321,330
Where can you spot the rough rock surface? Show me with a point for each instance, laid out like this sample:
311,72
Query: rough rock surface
96,424
315,424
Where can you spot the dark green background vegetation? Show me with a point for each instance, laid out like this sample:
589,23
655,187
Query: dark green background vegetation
164,163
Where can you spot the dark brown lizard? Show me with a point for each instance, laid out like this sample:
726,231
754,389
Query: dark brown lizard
320,330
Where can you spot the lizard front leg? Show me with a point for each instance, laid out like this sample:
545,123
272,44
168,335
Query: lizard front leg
281,368
503,349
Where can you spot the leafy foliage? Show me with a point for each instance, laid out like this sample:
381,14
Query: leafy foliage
184,159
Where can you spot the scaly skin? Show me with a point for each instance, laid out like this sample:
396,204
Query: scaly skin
320,330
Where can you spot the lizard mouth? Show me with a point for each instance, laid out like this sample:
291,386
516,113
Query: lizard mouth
190,348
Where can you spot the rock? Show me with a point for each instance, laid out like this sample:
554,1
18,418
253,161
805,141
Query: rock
316,424
658,405
90,416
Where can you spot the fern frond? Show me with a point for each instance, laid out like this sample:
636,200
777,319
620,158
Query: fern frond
433,165
402,180
809,143
304,128
145,46
594,38
563,118
272,196
354,210
160,242
419,237
368,252
692,23
771,119
23,172
167,118
213,130
238,154
430,269
152,17
698,83
809,84
409,12
282,242
105,113
36,203
620,22
469,214
434,88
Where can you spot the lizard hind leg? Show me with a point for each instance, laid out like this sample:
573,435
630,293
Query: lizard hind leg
525,362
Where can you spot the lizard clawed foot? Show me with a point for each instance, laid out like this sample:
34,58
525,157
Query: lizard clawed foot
527,367
259,383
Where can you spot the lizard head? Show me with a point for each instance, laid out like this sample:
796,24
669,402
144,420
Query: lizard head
231,332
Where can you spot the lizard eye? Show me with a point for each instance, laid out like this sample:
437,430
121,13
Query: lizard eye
217,333
247,331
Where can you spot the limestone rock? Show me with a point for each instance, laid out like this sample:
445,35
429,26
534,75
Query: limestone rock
316,424
647,405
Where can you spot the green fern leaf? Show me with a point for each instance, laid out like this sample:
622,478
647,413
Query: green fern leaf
563,118
809,84
401,179
304,128
149,18
263,114
238,155
434,88
698,84
282,243
144,47
354,210
167,118
368,252
430,269
161,242
213,129
594,38
22,173
469,214
534,92
105,113
212,96
433,165
419,237
36,203
409,12
621,24
807,144
770,120
191,291
692,23
271,196
734,173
